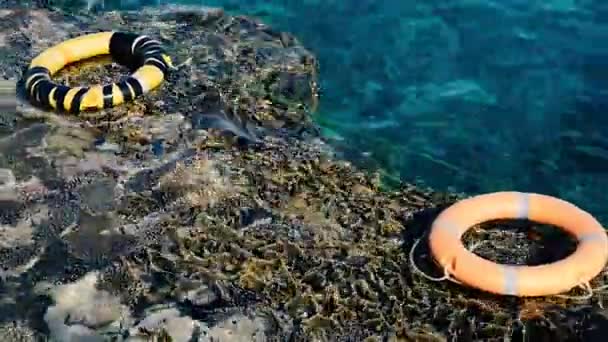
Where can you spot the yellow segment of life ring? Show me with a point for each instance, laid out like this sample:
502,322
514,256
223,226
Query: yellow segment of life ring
137,52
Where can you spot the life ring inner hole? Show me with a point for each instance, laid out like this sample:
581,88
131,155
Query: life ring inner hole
519,242
95,70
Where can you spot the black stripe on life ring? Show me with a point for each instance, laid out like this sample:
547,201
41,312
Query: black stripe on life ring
125,90
33,83
120,49
135,85
75,106
44,89
143,44
59,96
108,95
157,63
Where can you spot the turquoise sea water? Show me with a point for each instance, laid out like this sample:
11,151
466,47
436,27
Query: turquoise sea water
471,96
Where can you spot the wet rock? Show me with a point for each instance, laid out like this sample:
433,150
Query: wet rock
18,331
10,211
7,179
180,328
238,328
197,293
80,309
253,216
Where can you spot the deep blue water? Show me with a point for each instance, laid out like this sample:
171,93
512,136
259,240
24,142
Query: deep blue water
471,96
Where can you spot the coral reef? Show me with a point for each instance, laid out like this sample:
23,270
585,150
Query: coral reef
210,209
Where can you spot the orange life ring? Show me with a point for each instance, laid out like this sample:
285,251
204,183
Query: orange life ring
560,276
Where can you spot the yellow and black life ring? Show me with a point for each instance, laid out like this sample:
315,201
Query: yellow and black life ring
137,52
